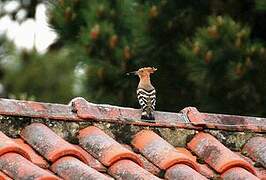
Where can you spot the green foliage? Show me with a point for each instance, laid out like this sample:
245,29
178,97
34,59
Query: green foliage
225,65
260,5
103,39
114,37
45,78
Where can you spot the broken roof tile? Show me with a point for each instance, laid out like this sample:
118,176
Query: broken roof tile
159,151
256,149
17,167
216,154
48,143
103,147
194,116
127,169
70,168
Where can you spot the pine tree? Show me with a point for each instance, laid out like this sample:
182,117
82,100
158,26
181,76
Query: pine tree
227,67
100,40
101,35
111,38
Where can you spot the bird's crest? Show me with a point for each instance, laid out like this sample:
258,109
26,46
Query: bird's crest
149,70
144,72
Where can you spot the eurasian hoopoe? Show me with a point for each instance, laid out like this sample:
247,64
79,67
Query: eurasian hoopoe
146,93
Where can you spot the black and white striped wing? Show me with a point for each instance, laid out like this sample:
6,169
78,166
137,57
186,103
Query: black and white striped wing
147,99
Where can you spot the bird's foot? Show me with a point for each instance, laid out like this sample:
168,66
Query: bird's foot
145,116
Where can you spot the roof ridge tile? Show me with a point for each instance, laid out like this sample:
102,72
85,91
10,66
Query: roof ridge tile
81,110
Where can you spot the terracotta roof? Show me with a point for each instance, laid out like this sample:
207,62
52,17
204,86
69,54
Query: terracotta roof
39,151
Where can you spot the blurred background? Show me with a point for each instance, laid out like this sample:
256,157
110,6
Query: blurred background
209,53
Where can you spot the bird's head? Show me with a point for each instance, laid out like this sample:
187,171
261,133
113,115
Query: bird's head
143,72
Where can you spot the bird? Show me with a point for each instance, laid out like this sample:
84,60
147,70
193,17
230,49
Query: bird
146,93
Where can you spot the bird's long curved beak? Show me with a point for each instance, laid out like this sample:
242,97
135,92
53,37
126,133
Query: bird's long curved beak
132,73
